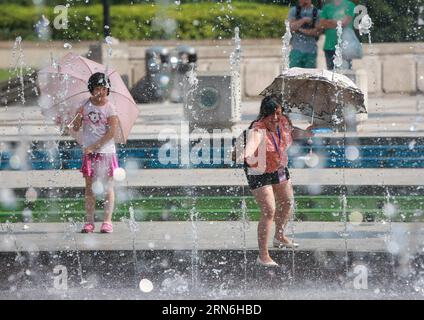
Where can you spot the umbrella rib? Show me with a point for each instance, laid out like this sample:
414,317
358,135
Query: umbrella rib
81,58
123,96
62,73
113,71
67,98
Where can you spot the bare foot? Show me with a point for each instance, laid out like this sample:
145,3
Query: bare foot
283,238
266,259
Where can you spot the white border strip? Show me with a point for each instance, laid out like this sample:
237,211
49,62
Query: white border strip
214,177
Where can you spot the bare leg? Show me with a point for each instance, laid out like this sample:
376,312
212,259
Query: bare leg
285,202
90,199
109,200
265,198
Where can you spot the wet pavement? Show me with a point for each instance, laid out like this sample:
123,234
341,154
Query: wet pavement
211,235
211,260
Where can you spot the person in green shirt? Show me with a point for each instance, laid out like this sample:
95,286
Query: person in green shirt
332,12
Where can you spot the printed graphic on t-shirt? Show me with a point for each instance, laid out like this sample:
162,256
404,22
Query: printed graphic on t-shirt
94,117
96,125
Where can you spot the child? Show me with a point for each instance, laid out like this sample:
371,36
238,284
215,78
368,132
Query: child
99,122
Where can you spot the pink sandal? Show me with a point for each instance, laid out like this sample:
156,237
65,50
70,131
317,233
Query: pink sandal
106,227
88,228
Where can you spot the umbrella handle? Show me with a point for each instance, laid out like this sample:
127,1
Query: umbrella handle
312,123
72,121
313,113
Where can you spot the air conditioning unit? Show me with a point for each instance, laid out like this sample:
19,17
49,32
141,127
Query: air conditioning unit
214,103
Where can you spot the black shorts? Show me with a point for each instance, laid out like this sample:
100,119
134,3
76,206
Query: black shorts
256,181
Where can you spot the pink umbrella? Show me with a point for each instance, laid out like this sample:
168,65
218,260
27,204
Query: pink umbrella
64,89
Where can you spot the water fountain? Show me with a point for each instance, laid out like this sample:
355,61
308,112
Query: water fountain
17,67
70,234
235,67
338,65
190,89
285,49
338,57
134,228
389,211
245,228
109,42
194,216
193,212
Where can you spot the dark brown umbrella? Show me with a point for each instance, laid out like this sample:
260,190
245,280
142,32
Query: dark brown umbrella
323,95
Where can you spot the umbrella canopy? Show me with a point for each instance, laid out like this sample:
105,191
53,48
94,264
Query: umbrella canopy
320,94
64,89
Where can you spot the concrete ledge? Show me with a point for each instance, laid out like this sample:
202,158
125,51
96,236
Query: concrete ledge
420,75
399,74
264,72
215,177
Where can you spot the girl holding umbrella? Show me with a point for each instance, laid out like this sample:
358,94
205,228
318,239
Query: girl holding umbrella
94,103
99,122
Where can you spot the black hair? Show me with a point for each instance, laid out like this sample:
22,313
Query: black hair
98,79
269,104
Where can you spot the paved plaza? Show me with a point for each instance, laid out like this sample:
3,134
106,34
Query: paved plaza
210,235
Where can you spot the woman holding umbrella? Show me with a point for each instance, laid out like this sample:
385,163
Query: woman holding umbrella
270,135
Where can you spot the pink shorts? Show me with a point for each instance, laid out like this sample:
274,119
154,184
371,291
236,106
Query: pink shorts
99,164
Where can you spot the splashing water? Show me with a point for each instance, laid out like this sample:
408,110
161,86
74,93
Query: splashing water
390,211
174,284
195,250
365,26
133,227
245,228
285,50
12,237
235,65
17,66
70,233
109,42
192,80
345,233
338,58
42,28
190,85
146,285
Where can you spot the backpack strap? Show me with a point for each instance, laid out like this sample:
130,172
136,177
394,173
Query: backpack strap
298,11
314,16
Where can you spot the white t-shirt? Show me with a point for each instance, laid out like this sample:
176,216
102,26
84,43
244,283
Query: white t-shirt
95,125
